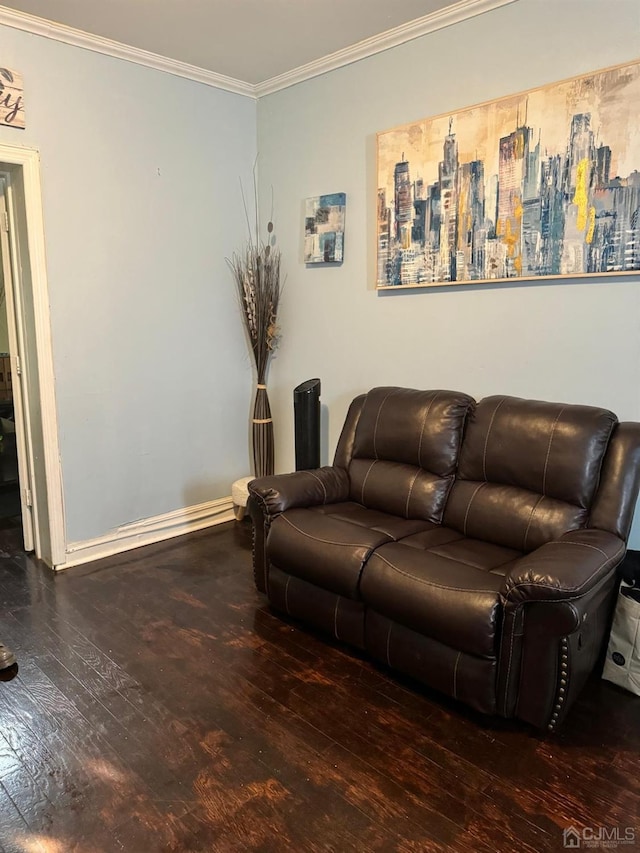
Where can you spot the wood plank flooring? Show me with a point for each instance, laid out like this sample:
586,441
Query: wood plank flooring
160,707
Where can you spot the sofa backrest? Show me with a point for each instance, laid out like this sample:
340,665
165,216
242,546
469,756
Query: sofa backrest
400,448
528,470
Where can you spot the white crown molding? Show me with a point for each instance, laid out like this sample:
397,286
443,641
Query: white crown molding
148,531
98,44
461,11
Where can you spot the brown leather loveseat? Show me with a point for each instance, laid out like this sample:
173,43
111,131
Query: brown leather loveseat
470,545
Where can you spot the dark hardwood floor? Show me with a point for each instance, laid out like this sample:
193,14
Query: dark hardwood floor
160,706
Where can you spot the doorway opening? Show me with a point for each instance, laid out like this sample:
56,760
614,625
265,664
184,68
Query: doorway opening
10,496
28,420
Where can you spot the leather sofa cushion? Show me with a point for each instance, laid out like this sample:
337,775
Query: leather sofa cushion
338,616
528,470
329,551
420,428
446,590
509,516
404,490
550,449
405,450
465,677
471,552
393,526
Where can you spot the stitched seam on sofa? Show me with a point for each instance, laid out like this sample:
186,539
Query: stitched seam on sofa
576,588
406,509
499,655
349,452
386,533
555,679
267,564
584,545
267,561
546,461
533,511
315,477
576,615
265,508
471,500
506,684
325,541
520,635
364,482
335,618
464,562
486,440
430,583
388,644
597,488
375,429
424,423
286,596
364,526
456,560
266,521
455,675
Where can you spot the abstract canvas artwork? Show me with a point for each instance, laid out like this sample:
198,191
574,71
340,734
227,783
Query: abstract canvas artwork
541,184
324,229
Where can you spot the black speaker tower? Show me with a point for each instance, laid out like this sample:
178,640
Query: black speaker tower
306,409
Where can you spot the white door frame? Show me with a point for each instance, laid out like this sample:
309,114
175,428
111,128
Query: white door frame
15,327
28,161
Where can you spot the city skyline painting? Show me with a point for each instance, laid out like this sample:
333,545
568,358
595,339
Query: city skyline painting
542,184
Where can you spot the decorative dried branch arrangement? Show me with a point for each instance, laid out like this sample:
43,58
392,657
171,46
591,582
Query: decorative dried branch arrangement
257,276
256,271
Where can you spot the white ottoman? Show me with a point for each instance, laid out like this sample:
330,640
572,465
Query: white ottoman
239,496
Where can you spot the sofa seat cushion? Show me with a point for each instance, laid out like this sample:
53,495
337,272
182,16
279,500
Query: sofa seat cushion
466,677
329,551
475,553
340,617
441,585
392,525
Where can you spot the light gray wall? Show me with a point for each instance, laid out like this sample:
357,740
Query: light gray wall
140,173
578,341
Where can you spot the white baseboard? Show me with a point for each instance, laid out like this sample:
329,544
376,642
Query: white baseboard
147,531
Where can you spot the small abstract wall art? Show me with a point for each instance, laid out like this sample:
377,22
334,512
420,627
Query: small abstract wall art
543,184
324,229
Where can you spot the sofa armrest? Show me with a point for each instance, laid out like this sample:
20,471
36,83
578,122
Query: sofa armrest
564,570
549,647
300,489
269,496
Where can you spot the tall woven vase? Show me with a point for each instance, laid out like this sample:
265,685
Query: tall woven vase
263,455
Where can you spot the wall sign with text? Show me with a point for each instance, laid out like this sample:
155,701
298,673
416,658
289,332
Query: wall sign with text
11,98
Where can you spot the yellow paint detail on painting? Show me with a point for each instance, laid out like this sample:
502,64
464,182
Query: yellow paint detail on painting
511,237
517,263
591,224
580,197
518,145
